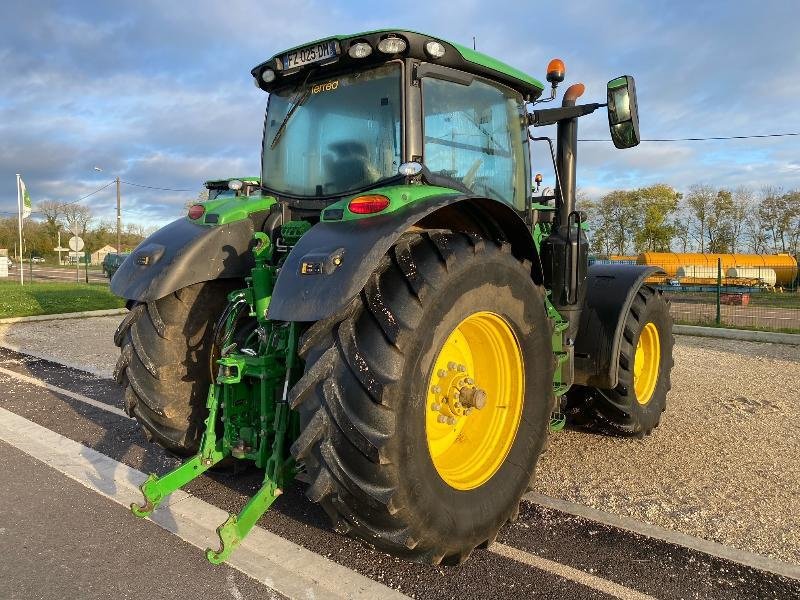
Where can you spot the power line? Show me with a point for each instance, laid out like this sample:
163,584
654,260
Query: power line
152,187
704,139
100,189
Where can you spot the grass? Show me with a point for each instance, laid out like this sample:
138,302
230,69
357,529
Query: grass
53,298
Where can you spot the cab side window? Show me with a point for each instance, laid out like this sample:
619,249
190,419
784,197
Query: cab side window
475,133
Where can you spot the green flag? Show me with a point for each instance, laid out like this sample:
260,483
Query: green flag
26,199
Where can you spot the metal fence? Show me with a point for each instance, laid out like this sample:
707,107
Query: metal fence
34,271
738,291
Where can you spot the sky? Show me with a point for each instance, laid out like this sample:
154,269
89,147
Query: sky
160,93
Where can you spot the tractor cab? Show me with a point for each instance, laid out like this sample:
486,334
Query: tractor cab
345,114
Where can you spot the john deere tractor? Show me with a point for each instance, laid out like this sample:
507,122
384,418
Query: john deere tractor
393,319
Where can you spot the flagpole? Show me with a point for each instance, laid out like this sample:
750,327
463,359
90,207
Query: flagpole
19,216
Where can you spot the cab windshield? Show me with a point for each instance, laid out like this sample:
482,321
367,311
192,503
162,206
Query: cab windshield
342,135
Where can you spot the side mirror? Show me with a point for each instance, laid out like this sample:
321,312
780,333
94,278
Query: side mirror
623,114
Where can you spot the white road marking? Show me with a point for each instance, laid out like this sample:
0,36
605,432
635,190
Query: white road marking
58,390
291,569
576,575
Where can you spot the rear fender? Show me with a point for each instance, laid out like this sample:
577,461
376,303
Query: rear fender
183,253
333,260
610,290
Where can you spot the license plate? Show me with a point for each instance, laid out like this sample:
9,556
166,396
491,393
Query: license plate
310,54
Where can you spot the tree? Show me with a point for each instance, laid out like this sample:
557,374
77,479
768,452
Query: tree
654,205
699,201
792,200
718,223
77,217
53,213
742,204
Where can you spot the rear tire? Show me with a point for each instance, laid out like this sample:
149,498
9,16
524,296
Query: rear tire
364,397
634,406
164,362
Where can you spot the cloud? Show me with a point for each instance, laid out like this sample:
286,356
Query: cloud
160,93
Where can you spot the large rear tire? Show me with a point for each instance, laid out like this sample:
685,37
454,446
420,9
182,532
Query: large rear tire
634,406
443,311
164,362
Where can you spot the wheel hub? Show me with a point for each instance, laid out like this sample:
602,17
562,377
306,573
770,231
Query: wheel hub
455,395
475,400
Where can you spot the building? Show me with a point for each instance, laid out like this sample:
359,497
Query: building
98,255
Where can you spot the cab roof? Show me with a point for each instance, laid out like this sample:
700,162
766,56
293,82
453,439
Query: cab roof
455,56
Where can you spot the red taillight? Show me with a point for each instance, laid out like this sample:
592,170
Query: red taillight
196,211
367,205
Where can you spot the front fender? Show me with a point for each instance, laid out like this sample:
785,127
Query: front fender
610,290
333,260
183,253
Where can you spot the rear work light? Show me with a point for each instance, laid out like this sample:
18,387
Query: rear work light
196,211
367,205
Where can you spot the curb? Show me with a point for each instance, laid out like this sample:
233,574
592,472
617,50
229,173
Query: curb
745,335
76,315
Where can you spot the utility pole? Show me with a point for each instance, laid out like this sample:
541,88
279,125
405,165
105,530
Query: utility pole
119,219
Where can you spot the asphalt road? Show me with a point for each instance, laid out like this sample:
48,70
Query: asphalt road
60,539
44,272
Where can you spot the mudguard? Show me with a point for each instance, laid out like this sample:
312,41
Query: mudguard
333,260
183,253
610,290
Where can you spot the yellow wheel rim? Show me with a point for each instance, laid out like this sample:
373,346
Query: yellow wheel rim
646,363
475,397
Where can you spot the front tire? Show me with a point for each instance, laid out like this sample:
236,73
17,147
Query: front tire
635,405
380,460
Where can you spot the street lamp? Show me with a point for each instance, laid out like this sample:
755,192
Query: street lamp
119,212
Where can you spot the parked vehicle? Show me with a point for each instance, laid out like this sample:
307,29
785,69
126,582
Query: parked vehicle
112,262
393,315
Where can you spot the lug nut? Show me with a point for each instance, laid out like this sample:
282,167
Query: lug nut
441,419
436,389
456,394
435,407
441,373
462,369
469,381
452,366
451,421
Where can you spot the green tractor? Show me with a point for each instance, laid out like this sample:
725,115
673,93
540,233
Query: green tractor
392,319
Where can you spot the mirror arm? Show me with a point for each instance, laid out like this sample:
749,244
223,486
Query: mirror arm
551,116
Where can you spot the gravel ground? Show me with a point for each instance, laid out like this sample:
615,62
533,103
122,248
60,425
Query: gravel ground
723,465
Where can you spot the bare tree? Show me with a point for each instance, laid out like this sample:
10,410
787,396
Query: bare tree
700,200
77,217
53,213
742,204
